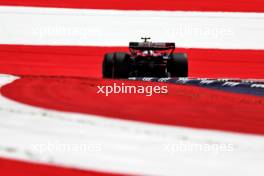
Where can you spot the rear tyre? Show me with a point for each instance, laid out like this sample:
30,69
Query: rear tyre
108,65
116,65
178,65
122,65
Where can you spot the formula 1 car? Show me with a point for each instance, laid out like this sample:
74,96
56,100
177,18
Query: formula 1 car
146,59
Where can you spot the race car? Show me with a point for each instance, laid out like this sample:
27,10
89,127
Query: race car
146,59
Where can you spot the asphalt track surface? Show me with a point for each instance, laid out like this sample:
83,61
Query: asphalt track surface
73,83
251,87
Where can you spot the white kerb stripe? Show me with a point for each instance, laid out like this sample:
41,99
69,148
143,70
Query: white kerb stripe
51,26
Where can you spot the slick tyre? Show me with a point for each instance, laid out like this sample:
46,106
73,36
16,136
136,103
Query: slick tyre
108,65
178,65
121,65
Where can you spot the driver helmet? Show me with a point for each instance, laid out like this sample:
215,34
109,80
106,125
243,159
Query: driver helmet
148,52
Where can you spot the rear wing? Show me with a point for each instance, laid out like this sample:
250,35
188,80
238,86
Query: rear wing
151,46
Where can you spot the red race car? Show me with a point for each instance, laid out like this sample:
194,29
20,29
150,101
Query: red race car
146,59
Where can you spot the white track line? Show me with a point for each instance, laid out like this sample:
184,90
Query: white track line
124,146
51,26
